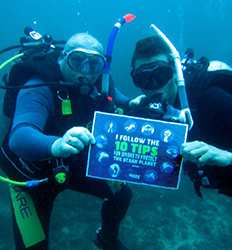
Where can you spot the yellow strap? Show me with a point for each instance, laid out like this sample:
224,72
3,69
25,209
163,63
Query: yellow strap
26,217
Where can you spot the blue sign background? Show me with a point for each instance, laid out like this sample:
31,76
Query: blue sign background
137,150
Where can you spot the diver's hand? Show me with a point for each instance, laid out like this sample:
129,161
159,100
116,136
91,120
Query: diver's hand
203,154
136,101
73,141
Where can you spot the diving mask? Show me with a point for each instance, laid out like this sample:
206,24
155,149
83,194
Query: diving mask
153,75
86,62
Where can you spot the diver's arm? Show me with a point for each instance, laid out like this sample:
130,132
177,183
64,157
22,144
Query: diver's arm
121,99
30,144
33,107
203,154
27,139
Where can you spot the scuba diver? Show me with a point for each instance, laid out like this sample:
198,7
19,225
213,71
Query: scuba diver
156,70
45,150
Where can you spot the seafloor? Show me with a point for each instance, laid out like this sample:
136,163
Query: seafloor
157,220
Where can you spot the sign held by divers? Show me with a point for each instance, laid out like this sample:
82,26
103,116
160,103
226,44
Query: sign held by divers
137,150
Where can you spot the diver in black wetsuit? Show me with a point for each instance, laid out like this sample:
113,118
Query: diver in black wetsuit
209,91
49,138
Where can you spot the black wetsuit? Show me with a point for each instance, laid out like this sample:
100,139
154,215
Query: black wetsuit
210,100
37,123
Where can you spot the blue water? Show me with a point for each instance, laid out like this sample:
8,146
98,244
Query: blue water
157,220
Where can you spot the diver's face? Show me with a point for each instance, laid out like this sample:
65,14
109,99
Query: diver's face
81,68
167,91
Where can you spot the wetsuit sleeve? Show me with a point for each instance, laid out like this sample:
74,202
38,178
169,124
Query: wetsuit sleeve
33,107
120,99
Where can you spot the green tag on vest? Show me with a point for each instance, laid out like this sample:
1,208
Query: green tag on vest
26,217
66,107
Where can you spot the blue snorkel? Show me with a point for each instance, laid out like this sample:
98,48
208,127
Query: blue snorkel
185,110
109,51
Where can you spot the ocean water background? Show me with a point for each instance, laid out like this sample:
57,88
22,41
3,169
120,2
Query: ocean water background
157,219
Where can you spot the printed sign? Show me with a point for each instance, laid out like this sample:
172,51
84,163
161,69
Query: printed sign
138,150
